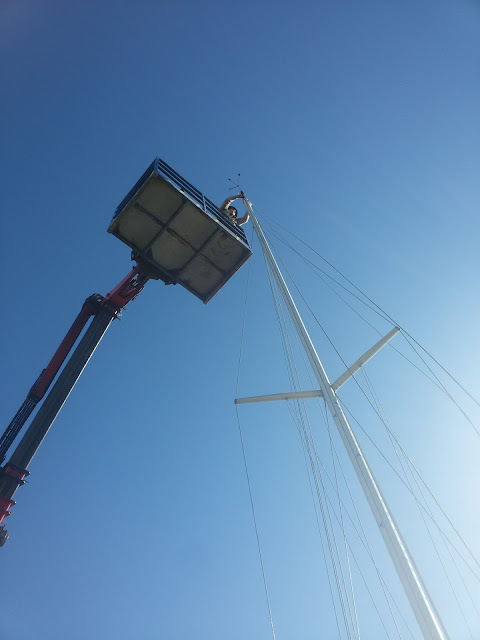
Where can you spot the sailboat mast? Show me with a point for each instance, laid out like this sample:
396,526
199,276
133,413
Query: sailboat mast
427,616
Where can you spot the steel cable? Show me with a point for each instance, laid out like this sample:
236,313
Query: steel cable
267,598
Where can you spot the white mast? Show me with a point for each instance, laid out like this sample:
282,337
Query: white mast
427,616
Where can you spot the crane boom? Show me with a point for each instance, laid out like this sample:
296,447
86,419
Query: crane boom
46,377
103,310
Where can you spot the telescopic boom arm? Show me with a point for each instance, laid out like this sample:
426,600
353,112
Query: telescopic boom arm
103,310
44,380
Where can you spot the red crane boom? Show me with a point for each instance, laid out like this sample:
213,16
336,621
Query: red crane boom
103,310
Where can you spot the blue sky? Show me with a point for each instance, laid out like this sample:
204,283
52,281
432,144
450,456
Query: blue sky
355,125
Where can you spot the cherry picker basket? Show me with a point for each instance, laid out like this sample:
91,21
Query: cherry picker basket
173,226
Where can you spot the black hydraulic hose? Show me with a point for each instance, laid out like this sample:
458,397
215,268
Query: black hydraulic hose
15,426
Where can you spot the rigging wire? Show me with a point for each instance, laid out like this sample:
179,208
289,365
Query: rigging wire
316,269
467,564
353,616
467,417
378,410
445,541
334,536
375,410
369,551
317,520
341,517
388,429
298,419
436,381
285,345
308,445
477,402
432,495
326,335
365,539
267,598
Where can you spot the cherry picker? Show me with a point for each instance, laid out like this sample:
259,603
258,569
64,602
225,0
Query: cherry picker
177,235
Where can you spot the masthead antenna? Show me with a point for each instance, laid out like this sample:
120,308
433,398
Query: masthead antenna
235,183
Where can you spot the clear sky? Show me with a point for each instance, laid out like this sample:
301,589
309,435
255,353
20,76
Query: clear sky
356,126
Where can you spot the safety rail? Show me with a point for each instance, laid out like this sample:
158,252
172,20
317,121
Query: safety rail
162,168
